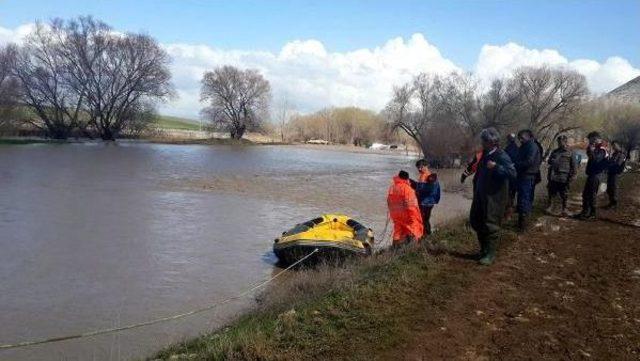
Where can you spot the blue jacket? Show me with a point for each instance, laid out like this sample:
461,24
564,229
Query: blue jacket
428,193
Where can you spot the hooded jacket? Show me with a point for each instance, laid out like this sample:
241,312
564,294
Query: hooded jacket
404,210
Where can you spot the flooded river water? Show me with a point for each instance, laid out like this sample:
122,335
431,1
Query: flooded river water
95,236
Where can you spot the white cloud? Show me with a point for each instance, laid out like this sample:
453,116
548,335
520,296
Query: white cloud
495,61
311,77
15,35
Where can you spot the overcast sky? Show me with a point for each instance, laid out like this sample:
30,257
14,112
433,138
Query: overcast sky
323,53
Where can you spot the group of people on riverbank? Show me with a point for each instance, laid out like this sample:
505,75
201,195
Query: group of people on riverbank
504,181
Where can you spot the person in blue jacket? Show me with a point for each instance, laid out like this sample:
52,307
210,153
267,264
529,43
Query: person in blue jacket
428,193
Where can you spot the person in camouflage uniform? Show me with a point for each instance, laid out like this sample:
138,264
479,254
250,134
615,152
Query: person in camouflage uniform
562,171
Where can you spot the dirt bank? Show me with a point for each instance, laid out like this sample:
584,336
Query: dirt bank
568,290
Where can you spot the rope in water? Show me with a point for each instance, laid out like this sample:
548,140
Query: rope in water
157,320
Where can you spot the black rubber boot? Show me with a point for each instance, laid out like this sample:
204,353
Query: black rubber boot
490,255
483,249
523,223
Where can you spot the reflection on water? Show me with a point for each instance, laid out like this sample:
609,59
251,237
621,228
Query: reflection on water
101,235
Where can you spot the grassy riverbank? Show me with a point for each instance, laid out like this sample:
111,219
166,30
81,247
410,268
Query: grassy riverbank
365,309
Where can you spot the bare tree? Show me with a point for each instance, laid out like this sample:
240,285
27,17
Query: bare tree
549,99
7,87
78,73
416,106
622,123
283,116
113,73
238,99
44,87
499,105
463,102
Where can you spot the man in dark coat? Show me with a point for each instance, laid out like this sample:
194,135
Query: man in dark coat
490,194
527,165
597,165
512,147
562,171
616,167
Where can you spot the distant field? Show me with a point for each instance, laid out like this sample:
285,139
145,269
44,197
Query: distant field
169,122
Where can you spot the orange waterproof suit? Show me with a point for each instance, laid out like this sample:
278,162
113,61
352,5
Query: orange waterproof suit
404,211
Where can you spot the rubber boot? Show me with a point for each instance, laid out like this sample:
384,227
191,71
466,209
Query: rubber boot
483,248
490,255
523,223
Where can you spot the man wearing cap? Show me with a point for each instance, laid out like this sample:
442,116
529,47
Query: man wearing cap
490,194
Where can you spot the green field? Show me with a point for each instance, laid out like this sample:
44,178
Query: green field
170,122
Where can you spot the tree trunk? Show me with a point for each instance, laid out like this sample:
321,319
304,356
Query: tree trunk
237,132
107,134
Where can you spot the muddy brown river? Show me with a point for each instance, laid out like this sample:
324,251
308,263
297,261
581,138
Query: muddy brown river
95,236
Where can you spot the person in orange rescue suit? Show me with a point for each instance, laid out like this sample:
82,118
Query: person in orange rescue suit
404,211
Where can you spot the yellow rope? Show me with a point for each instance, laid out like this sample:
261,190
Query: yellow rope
155,321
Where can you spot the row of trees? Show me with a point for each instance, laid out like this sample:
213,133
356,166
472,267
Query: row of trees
349,125
79,76
542,99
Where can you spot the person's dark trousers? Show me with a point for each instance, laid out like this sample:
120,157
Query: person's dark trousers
526,192
559,189
589,195
513,189
426,218
612,189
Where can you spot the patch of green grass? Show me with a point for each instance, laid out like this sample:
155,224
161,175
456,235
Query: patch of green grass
169,122
364,309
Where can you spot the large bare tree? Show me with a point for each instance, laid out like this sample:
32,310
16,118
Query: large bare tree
238,99
416,106
79,74
116,74
550,98
44,85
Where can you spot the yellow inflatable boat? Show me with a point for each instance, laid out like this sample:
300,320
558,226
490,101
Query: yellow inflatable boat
335,236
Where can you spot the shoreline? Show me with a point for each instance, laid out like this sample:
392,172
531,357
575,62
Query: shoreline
344,148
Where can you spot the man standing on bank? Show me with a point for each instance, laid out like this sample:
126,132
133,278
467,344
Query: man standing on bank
562,171
597,165
527,165
616,167
490,194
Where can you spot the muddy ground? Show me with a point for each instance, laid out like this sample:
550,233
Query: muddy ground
568,290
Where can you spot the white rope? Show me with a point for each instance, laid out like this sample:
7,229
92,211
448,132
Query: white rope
384,232
155,321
